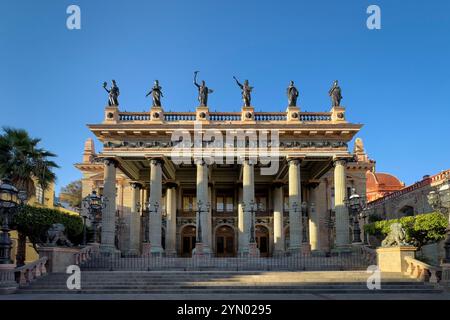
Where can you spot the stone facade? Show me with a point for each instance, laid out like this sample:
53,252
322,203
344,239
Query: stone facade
410,200
153,199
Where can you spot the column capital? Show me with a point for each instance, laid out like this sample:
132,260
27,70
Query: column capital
294,160
110,162
339,161
156,161
201,161
171,185
136,185
249,160
278,184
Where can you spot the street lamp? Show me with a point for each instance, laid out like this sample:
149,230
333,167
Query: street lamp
251,209
94,204
200,212
356,204
304,221
11,201
440,200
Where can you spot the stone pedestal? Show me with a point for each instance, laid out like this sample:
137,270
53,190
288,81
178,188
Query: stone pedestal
59,258
253,250
392,259
198,250
8,284
145,248
306,248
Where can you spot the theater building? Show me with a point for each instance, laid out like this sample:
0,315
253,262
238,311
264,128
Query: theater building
161,206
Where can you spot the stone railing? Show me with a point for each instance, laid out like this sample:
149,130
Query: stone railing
85,254
369,254
315,116
422,271
223,116
134,116
24,275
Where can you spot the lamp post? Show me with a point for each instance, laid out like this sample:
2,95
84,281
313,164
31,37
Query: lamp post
11,200
356,204
251,209
440,200
94,204
304,220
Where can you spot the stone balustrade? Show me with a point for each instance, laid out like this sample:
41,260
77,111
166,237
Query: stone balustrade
26,274
85,254
422,271
369,254
224,116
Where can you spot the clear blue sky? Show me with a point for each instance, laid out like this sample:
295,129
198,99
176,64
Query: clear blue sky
396,80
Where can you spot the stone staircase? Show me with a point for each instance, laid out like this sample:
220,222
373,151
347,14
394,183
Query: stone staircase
226,283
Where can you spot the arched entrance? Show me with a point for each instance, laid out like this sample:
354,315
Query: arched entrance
225,242
262,240
188,238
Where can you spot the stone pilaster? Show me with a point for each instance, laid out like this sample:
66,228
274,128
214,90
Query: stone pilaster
295,202
155,206
340,190
109,213
171,227
134,219
278,233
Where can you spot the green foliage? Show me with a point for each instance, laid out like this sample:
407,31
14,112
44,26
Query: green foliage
34,222
420,229
72,194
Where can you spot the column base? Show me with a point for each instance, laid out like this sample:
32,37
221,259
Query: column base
156,250
8,283
104,248
294,250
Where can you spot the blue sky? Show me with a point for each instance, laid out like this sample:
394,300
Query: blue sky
396,81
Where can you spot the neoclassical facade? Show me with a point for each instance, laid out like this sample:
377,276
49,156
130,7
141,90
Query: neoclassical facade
159,204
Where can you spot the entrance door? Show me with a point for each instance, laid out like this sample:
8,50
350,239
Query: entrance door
188,238
262,240
225,242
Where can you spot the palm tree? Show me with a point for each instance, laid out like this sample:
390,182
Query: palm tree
22,161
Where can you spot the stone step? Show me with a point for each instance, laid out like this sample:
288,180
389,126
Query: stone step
233,291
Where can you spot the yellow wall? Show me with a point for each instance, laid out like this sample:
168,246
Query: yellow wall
49,195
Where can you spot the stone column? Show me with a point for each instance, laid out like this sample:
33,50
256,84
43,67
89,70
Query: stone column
171,227
248,196
155,211
241,242
209,217
202,195
278,234
135,219
295,206
340,189
313,219
109,213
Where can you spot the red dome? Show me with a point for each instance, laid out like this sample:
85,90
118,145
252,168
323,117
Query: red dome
381,184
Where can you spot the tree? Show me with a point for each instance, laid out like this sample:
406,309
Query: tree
23,161
72,194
